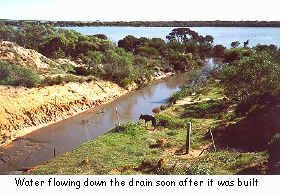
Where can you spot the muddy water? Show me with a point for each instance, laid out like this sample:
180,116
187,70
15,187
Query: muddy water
38,147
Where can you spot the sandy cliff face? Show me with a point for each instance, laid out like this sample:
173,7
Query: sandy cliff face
22,109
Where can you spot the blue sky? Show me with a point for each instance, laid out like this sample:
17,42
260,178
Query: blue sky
129,10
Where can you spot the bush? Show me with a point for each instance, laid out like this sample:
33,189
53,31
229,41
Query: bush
67,67
257,72
129,129
83,71
52,80
156,110
147,51
253,102
218,51
12,74
181,61
163,107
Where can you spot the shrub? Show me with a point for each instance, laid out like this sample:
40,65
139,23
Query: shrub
125,82
147,51
181,61
67,67
255,73
156,110
83,71
163,107
231,55
218,51
53,80
253,102
12,74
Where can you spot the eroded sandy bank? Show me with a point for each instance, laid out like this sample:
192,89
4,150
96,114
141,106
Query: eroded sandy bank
25,110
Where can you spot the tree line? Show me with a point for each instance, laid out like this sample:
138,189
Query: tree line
216,23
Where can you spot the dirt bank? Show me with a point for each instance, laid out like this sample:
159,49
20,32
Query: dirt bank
24,110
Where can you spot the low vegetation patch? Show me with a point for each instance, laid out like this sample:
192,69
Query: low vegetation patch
12,74
226,162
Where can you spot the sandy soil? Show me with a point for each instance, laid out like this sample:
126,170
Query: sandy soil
24,110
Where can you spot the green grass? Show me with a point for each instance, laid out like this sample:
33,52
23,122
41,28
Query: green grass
226,162
114,150
210,109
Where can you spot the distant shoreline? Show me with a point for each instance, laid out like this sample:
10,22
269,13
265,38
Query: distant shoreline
216,23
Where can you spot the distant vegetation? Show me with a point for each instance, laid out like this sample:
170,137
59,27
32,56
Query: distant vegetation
216,23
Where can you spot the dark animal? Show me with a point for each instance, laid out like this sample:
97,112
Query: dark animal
148,118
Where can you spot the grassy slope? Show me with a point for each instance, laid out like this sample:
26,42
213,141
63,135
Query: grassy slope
132,149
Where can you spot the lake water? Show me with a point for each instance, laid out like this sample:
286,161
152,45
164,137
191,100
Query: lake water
222,35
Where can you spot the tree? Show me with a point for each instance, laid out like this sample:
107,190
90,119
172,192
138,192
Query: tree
231,55
157,43
100,36
176,46
181,35
245,44
143,41
218,51
205,50
235,44
192,47
180,61
271,49
207,39
129,43
147,51
54,46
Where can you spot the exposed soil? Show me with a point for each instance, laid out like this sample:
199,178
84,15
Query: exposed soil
24,110
29,58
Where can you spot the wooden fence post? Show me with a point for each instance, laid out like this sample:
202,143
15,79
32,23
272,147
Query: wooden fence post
213,140
189,126
117,116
